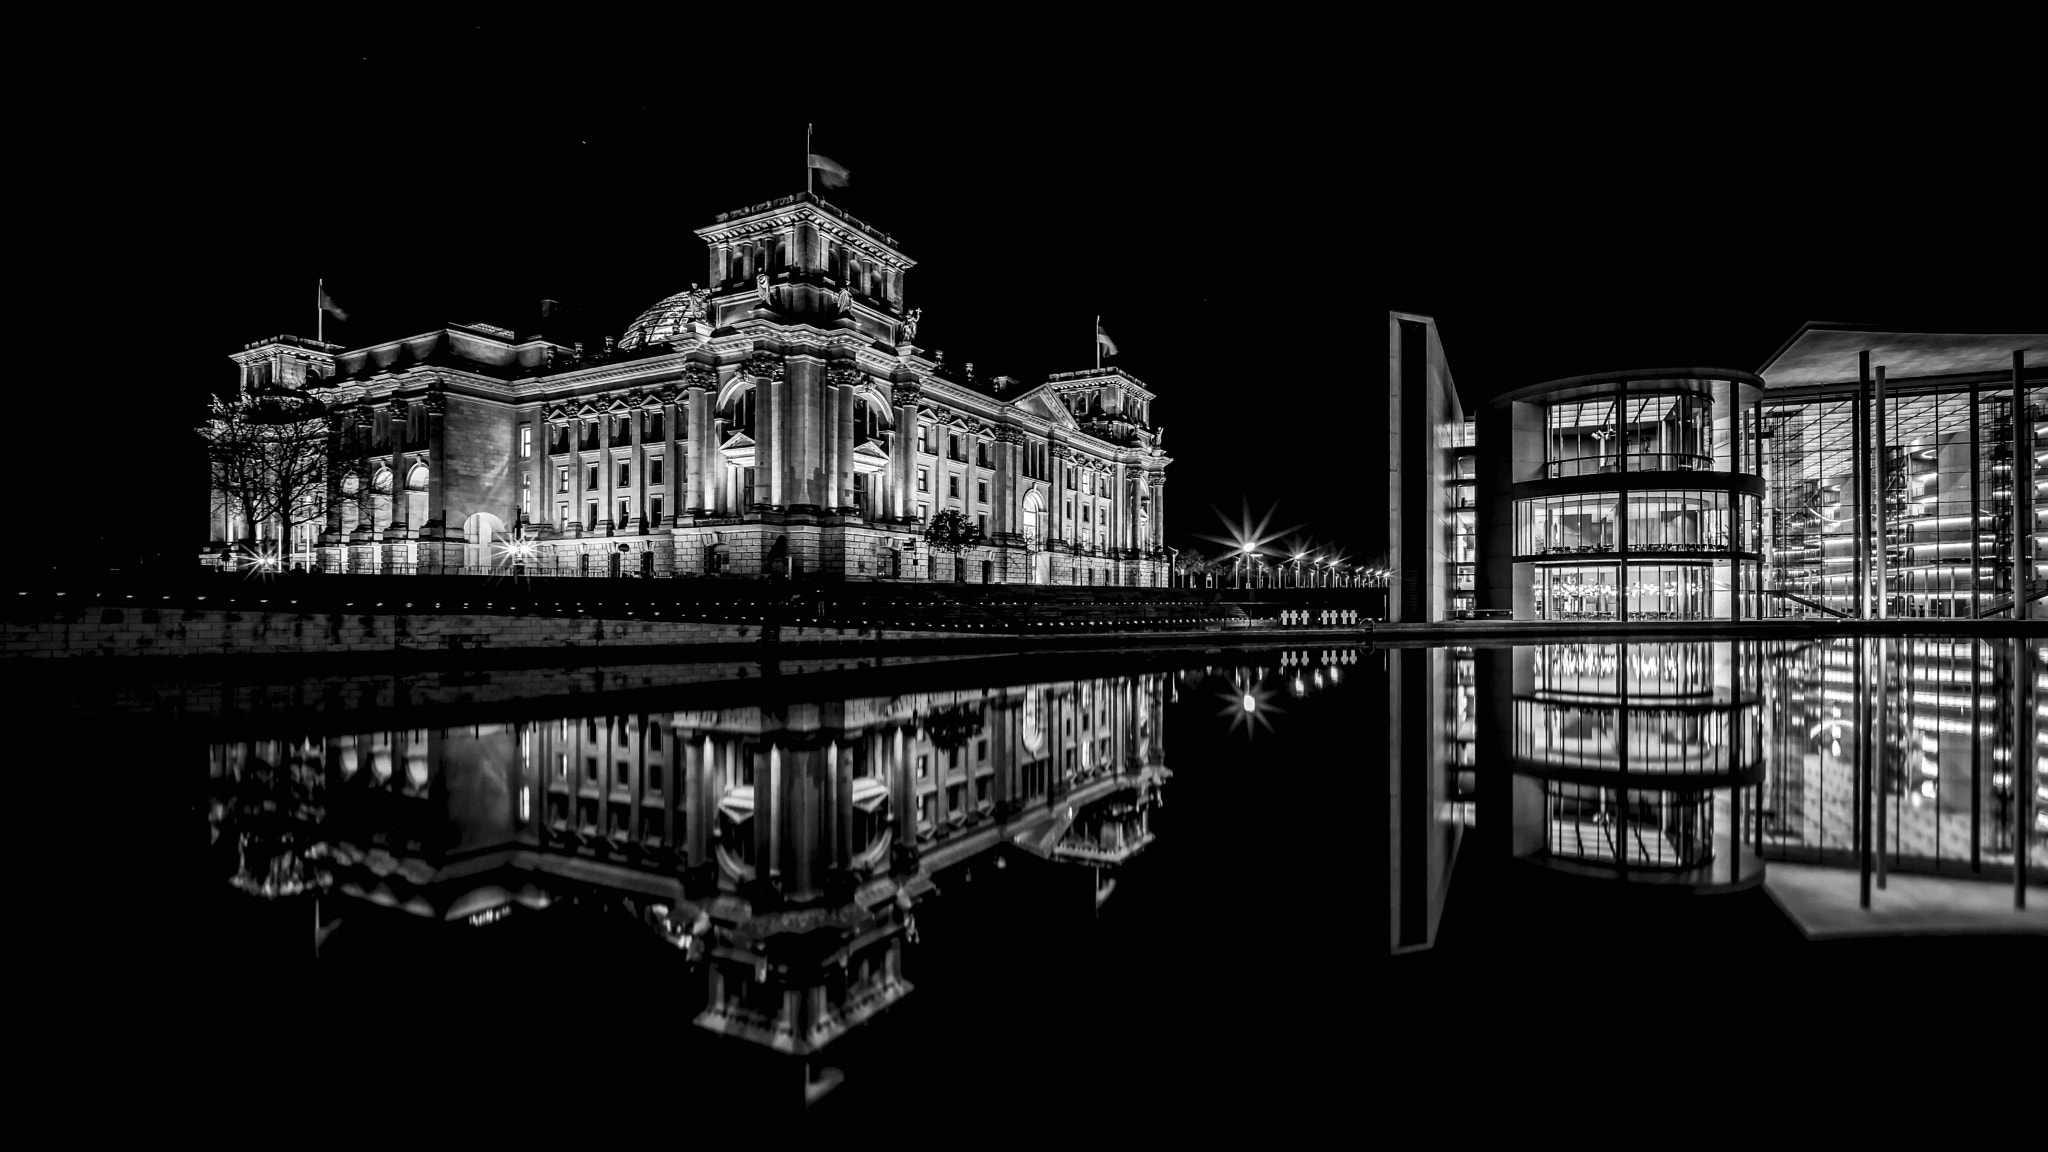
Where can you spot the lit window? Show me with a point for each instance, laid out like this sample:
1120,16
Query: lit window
525,440
561,513
561,479
622,514
526,502
924,439
923,480
924,511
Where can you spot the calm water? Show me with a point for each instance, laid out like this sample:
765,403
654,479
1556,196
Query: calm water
984,879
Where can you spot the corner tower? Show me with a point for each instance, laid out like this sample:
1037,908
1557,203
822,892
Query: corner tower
800,258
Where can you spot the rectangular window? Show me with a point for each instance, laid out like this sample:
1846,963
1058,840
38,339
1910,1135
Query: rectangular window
1070,478
981,523
590,768
924,480
654,508
561,765
953,447
654,470
1084,513
561,513
924,439
1070,511
591,482
924,511
525,441
526,502
981,453
590,514
623,510
625,474
981,492
981,750
924,767
561,479
953,486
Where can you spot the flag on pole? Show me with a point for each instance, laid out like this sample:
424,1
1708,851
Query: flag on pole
1102,339
328,305
829,171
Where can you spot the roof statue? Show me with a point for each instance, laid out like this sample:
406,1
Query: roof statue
761,287
910,323
845,301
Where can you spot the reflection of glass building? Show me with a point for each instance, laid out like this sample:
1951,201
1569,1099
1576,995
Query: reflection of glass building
1640,762
784,851
1907,742
1628,496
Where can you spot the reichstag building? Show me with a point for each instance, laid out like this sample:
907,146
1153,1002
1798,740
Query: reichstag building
780,421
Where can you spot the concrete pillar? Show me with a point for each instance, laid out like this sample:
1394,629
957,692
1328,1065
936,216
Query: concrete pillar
1003,485
433,416
2022,480
1881,555
401,519
699,399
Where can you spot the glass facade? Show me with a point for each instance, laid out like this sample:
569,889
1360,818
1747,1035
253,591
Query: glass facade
1941,496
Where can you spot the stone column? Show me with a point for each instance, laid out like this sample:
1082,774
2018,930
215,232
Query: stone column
849,406
1062,458
675,487
576,481
700,394
1003,485
1158,510
401,511
607,477
433,414
636,489
905,395
769,419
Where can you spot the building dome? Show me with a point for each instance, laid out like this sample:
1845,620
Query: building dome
667,320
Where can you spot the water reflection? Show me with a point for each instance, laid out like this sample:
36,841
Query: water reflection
1693,763
1633,762
784,852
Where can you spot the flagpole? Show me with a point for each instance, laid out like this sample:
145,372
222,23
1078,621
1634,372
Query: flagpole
320,310
807,159
1098,341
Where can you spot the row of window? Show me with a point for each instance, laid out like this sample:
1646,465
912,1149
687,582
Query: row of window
591,479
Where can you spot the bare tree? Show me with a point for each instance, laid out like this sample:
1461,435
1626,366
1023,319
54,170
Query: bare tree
272,457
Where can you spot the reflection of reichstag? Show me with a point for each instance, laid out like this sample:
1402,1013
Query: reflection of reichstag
783,852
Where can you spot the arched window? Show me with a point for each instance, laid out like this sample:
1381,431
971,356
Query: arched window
741,413
1032,519
867,423
416,477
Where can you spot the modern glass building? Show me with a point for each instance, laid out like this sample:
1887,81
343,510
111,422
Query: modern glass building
1623,496
1860,474
1905,474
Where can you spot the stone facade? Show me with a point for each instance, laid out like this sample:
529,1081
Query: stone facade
780,422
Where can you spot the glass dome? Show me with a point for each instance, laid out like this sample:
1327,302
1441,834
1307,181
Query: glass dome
667,320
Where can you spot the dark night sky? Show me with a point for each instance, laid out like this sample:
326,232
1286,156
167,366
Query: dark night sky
1241,217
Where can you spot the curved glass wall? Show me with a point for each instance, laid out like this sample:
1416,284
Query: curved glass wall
1691,520
1642,431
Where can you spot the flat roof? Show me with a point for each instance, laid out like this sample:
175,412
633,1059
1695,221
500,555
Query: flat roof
1826,354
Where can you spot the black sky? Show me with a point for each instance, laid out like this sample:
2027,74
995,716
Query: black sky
1241,207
